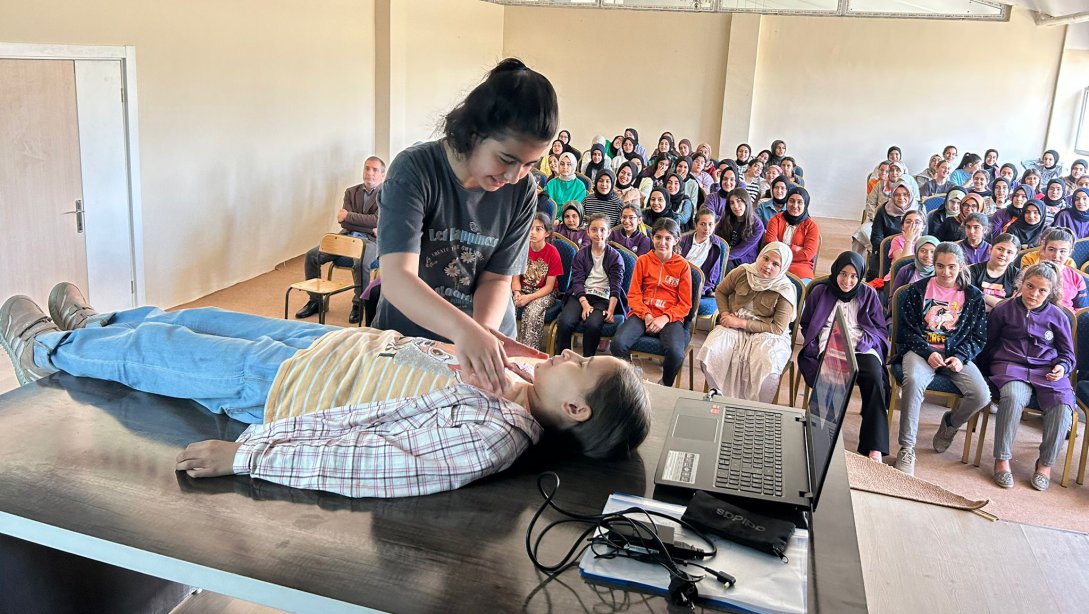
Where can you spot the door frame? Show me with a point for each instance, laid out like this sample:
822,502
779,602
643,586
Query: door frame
127,56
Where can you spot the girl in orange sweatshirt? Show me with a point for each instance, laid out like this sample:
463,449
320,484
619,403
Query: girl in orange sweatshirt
659,300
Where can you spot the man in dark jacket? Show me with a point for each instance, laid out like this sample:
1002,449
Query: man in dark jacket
359,218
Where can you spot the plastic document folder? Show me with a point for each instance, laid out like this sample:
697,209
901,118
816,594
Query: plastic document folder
764,582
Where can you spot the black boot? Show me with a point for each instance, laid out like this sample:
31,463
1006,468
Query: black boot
310,308
353,317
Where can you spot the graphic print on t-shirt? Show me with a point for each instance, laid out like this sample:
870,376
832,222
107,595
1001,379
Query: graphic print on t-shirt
940,318
536,270
992,288
459,260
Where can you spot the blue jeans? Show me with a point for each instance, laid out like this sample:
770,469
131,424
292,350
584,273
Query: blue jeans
673,338
225,361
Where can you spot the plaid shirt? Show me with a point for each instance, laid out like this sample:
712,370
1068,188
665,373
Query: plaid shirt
416,446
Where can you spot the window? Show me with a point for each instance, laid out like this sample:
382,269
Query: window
1081,142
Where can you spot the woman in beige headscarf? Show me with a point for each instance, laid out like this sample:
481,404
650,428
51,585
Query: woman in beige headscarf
745,354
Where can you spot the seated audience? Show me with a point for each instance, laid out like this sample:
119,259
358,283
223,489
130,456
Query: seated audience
595,161
665,151
778,151
596,292
975,248
718,199
895,154
969,164
744,156
867,329
1031,353
1055,248
1076,218
751,177
311,386
794,227
768,207
689,185
944,222
534,290
680,206
641,151
659,300
1078,170
1015,209
912,225
653,176
740,229
996,277
625,186
1030,226
699,172
550,163
1008,171
566,187
1054,200
990,164
949,154
603,199
632,232
1031,179
1047,167
929,173
888,219
940,184
702,248
1000,196
358,217
979,186
657,207
570,226
744,356
923,267
942,325
771,172
788,166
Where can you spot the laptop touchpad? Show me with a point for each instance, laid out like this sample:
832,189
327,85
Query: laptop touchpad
691,427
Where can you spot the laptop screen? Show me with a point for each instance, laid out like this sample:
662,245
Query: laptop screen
828,401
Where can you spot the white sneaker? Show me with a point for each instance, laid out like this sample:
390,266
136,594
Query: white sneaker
905,460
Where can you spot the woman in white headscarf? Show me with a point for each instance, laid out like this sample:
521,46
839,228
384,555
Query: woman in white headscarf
745,354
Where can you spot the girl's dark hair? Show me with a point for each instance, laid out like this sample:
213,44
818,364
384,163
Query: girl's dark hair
947,148
620,413
1028,172
1058,233
964,278
969,158
980,219
1006,237
785,158
513,100
635,208
729,228
1048,271
544,220
668,224
597,217
704,211
904,217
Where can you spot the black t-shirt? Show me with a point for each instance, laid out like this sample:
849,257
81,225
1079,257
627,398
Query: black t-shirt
1001,286
458,233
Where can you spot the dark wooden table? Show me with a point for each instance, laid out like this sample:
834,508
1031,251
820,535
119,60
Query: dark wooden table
87,467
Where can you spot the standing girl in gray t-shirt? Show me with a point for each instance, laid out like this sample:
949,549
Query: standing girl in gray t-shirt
454,217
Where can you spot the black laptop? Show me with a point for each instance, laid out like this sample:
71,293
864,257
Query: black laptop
762,451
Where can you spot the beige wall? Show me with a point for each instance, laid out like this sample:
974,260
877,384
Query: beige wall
254,116
840,91
1069,89
451,45
585,53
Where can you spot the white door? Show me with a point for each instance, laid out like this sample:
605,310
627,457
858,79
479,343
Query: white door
65,208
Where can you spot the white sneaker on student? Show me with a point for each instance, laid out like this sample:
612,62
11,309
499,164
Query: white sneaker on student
905,460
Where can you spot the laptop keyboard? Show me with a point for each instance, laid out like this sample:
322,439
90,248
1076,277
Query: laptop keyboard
751,461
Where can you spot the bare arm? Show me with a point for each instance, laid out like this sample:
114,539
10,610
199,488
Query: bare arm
478,349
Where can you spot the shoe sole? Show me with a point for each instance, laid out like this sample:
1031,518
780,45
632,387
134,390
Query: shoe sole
20,373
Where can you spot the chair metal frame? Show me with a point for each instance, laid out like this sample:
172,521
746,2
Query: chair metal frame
797,383
895,386
337,245
1071,437
696,292
884,265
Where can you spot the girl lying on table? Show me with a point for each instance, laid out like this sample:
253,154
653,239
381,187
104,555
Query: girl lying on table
356,411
